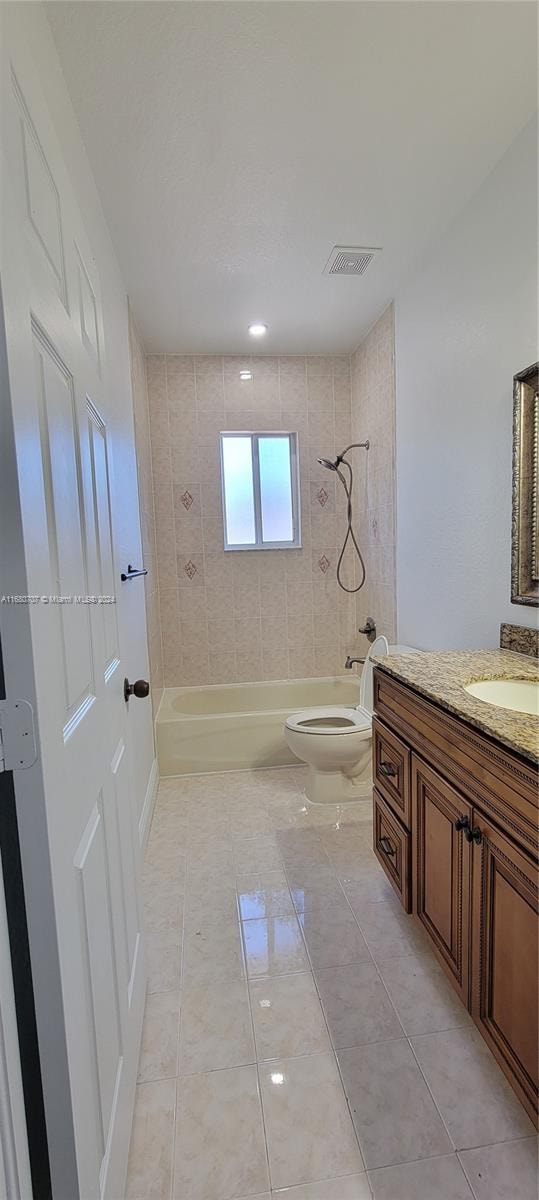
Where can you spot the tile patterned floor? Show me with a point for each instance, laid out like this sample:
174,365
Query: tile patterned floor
299,1038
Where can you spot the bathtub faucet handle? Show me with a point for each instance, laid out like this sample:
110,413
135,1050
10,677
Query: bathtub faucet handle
369,628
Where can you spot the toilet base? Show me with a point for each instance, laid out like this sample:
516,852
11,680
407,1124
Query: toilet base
334,787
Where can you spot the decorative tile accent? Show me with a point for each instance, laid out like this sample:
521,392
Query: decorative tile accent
519,638
190,569
186,500
324,564
322,497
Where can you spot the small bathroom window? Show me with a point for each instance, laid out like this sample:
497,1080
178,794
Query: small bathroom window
260,481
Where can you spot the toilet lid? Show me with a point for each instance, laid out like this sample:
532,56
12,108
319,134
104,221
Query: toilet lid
335,719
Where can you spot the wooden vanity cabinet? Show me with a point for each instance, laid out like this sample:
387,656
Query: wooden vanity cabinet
456,830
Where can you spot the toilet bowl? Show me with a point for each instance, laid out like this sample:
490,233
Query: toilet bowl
335,742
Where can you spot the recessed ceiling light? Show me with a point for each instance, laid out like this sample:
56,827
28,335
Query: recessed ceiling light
257,329
246,374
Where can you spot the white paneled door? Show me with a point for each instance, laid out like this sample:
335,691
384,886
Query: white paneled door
62,408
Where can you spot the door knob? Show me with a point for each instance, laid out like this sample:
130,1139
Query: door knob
140,688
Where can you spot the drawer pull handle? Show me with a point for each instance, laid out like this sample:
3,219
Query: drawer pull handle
471,835
387,768
386,846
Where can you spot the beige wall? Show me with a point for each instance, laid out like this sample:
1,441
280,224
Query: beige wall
226,617
373,417
247,615
147,512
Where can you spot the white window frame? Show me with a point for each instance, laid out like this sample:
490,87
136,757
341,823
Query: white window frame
254,435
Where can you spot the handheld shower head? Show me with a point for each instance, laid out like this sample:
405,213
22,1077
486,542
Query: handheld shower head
348,483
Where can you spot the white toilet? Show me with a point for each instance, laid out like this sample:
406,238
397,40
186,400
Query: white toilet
335,742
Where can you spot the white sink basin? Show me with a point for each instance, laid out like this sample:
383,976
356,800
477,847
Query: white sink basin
521,695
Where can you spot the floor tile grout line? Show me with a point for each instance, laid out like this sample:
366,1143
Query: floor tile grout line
436,1105
339,1072
255,1047
468,1180
430,1158
394,1010
411,1048
174,1113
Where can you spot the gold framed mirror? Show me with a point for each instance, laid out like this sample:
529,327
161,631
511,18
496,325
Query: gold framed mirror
525,527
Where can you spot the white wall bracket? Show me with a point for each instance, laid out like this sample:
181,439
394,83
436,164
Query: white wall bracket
17,735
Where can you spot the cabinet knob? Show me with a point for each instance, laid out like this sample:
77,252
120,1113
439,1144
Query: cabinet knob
387,768
471,835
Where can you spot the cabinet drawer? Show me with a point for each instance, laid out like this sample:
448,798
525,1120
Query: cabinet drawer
391,770
392,848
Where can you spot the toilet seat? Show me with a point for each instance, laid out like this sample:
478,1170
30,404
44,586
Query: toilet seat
335,720
334,742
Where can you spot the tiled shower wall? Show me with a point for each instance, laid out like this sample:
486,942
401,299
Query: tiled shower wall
147,511
236,616
373,417
247,615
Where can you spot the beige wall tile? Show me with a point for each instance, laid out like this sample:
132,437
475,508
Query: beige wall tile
267,615
373,417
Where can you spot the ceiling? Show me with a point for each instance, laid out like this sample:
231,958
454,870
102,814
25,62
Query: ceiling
234,144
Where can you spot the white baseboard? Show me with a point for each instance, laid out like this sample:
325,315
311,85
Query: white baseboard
148,806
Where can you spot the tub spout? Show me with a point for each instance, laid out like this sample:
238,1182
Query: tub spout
351,661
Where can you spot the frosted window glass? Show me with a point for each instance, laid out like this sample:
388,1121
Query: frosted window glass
238,489
275,489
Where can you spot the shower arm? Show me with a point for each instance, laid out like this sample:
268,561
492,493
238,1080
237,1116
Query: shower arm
353,446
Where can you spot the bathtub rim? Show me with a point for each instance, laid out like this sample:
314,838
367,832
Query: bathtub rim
246,712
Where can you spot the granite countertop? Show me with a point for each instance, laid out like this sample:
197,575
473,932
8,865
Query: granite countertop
440,675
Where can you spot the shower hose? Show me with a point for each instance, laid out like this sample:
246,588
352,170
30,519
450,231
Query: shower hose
350,535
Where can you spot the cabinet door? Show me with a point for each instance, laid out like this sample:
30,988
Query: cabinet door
505,965
441,870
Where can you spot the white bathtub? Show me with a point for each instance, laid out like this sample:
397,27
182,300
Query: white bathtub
227,727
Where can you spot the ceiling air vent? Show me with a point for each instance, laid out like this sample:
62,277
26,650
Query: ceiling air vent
350,260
